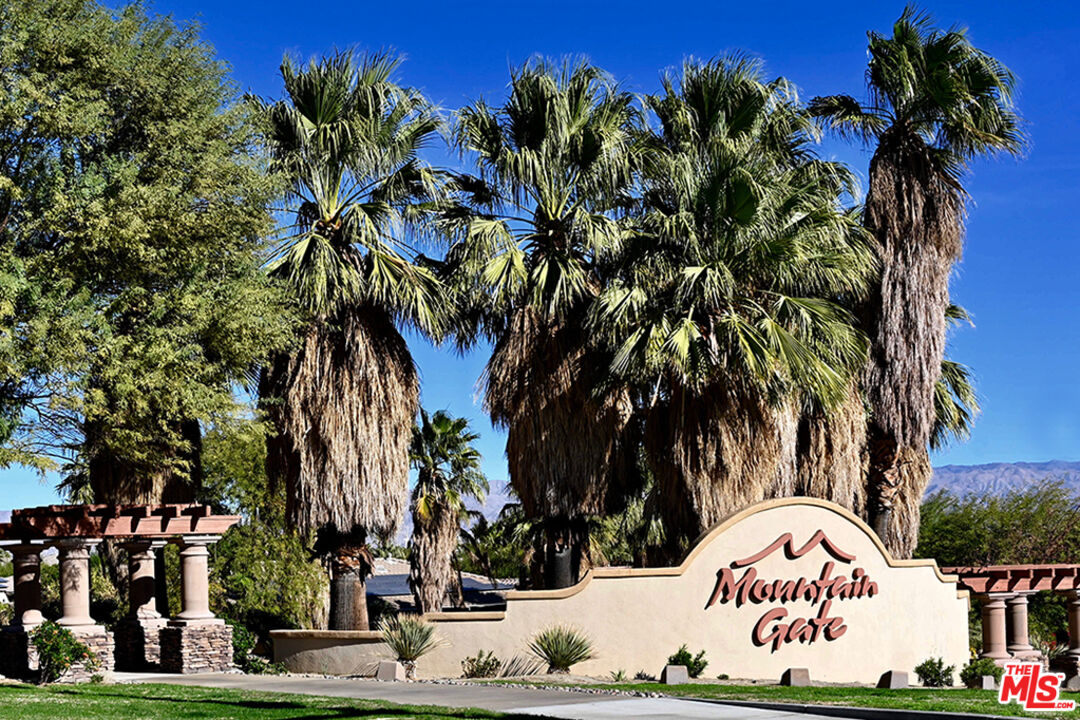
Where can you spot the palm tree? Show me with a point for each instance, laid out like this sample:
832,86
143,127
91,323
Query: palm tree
935,103
346,139
553,163
726,308
448,471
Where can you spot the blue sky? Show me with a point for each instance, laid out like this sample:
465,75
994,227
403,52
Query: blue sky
1019,274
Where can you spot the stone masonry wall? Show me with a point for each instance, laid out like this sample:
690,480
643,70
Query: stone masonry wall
138,644
14,650
200,648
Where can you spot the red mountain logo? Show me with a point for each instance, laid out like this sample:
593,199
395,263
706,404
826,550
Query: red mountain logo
787,542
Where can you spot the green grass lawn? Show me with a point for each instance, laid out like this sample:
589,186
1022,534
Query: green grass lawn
983,702
174,702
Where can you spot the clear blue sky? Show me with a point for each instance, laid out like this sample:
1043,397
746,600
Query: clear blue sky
1020,270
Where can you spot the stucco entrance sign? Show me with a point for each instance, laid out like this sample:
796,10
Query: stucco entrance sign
775,628
787,583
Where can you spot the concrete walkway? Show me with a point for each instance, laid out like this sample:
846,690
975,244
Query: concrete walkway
539,701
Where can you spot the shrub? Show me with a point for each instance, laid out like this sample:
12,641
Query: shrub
933,672
58,650
694,664
561,647
243,642
410,638
618,676
7,613
973,673
484,665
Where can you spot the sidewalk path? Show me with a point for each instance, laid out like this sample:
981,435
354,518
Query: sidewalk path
539,701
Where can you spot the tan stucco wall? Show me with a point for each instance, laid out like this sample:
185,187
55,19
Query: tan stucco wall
637,617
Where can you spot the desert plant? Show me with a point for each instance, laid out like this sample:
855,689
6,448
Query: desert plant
58,650
484,665
410,638
694,664
933,672
973,673
561,647
618,676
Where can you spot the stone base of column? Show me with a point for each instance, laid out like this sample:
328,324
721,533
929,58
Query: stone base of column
138,644
100,642
18,658
1068,664
190,647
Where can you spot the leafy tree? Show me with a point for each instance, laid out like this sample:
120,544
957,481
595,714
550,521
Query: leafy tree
346,139
132,207
261,576
554,161
1031,525
725,309
448,472
935,103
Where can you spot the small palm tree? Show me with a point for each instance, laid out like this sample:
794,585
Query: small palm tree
346,139
448,472
935,103
554,162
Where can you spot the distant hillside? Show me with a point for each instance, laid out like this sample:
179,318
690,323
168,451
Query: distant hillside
997,478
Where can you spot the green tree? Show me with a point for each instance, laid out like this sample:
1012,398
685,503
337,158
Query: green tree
725,308
448,472
935,104
132,207
554,162
261,576
346,138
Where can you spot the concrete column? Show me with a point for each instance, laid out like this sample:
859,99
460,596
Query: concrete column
75,582
142,582
993,627
26,559
1074,628
195,580
1019,643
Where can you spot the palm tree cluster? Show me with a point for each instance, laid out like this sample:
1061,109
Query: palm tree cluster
688,309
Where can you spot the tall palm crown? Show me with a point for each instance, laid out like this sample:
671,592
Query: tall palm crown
935,103
448,471
347,140
725,310
553,161
447,464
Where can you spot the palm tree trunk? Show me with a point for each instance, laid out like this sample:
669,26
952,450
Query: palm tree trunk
348,588
564,540
917,219
715,450
431,554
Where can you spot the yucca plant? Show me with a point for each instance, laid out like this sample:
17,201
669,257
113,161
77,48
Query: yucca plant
410,638
561,647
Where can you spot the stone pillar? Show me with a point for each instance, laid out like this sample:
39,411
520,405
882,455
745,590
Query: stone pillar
26,559
142,582
138,636
1074,628
1019,643
75,603
75,582
993,628
195,581
196,641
